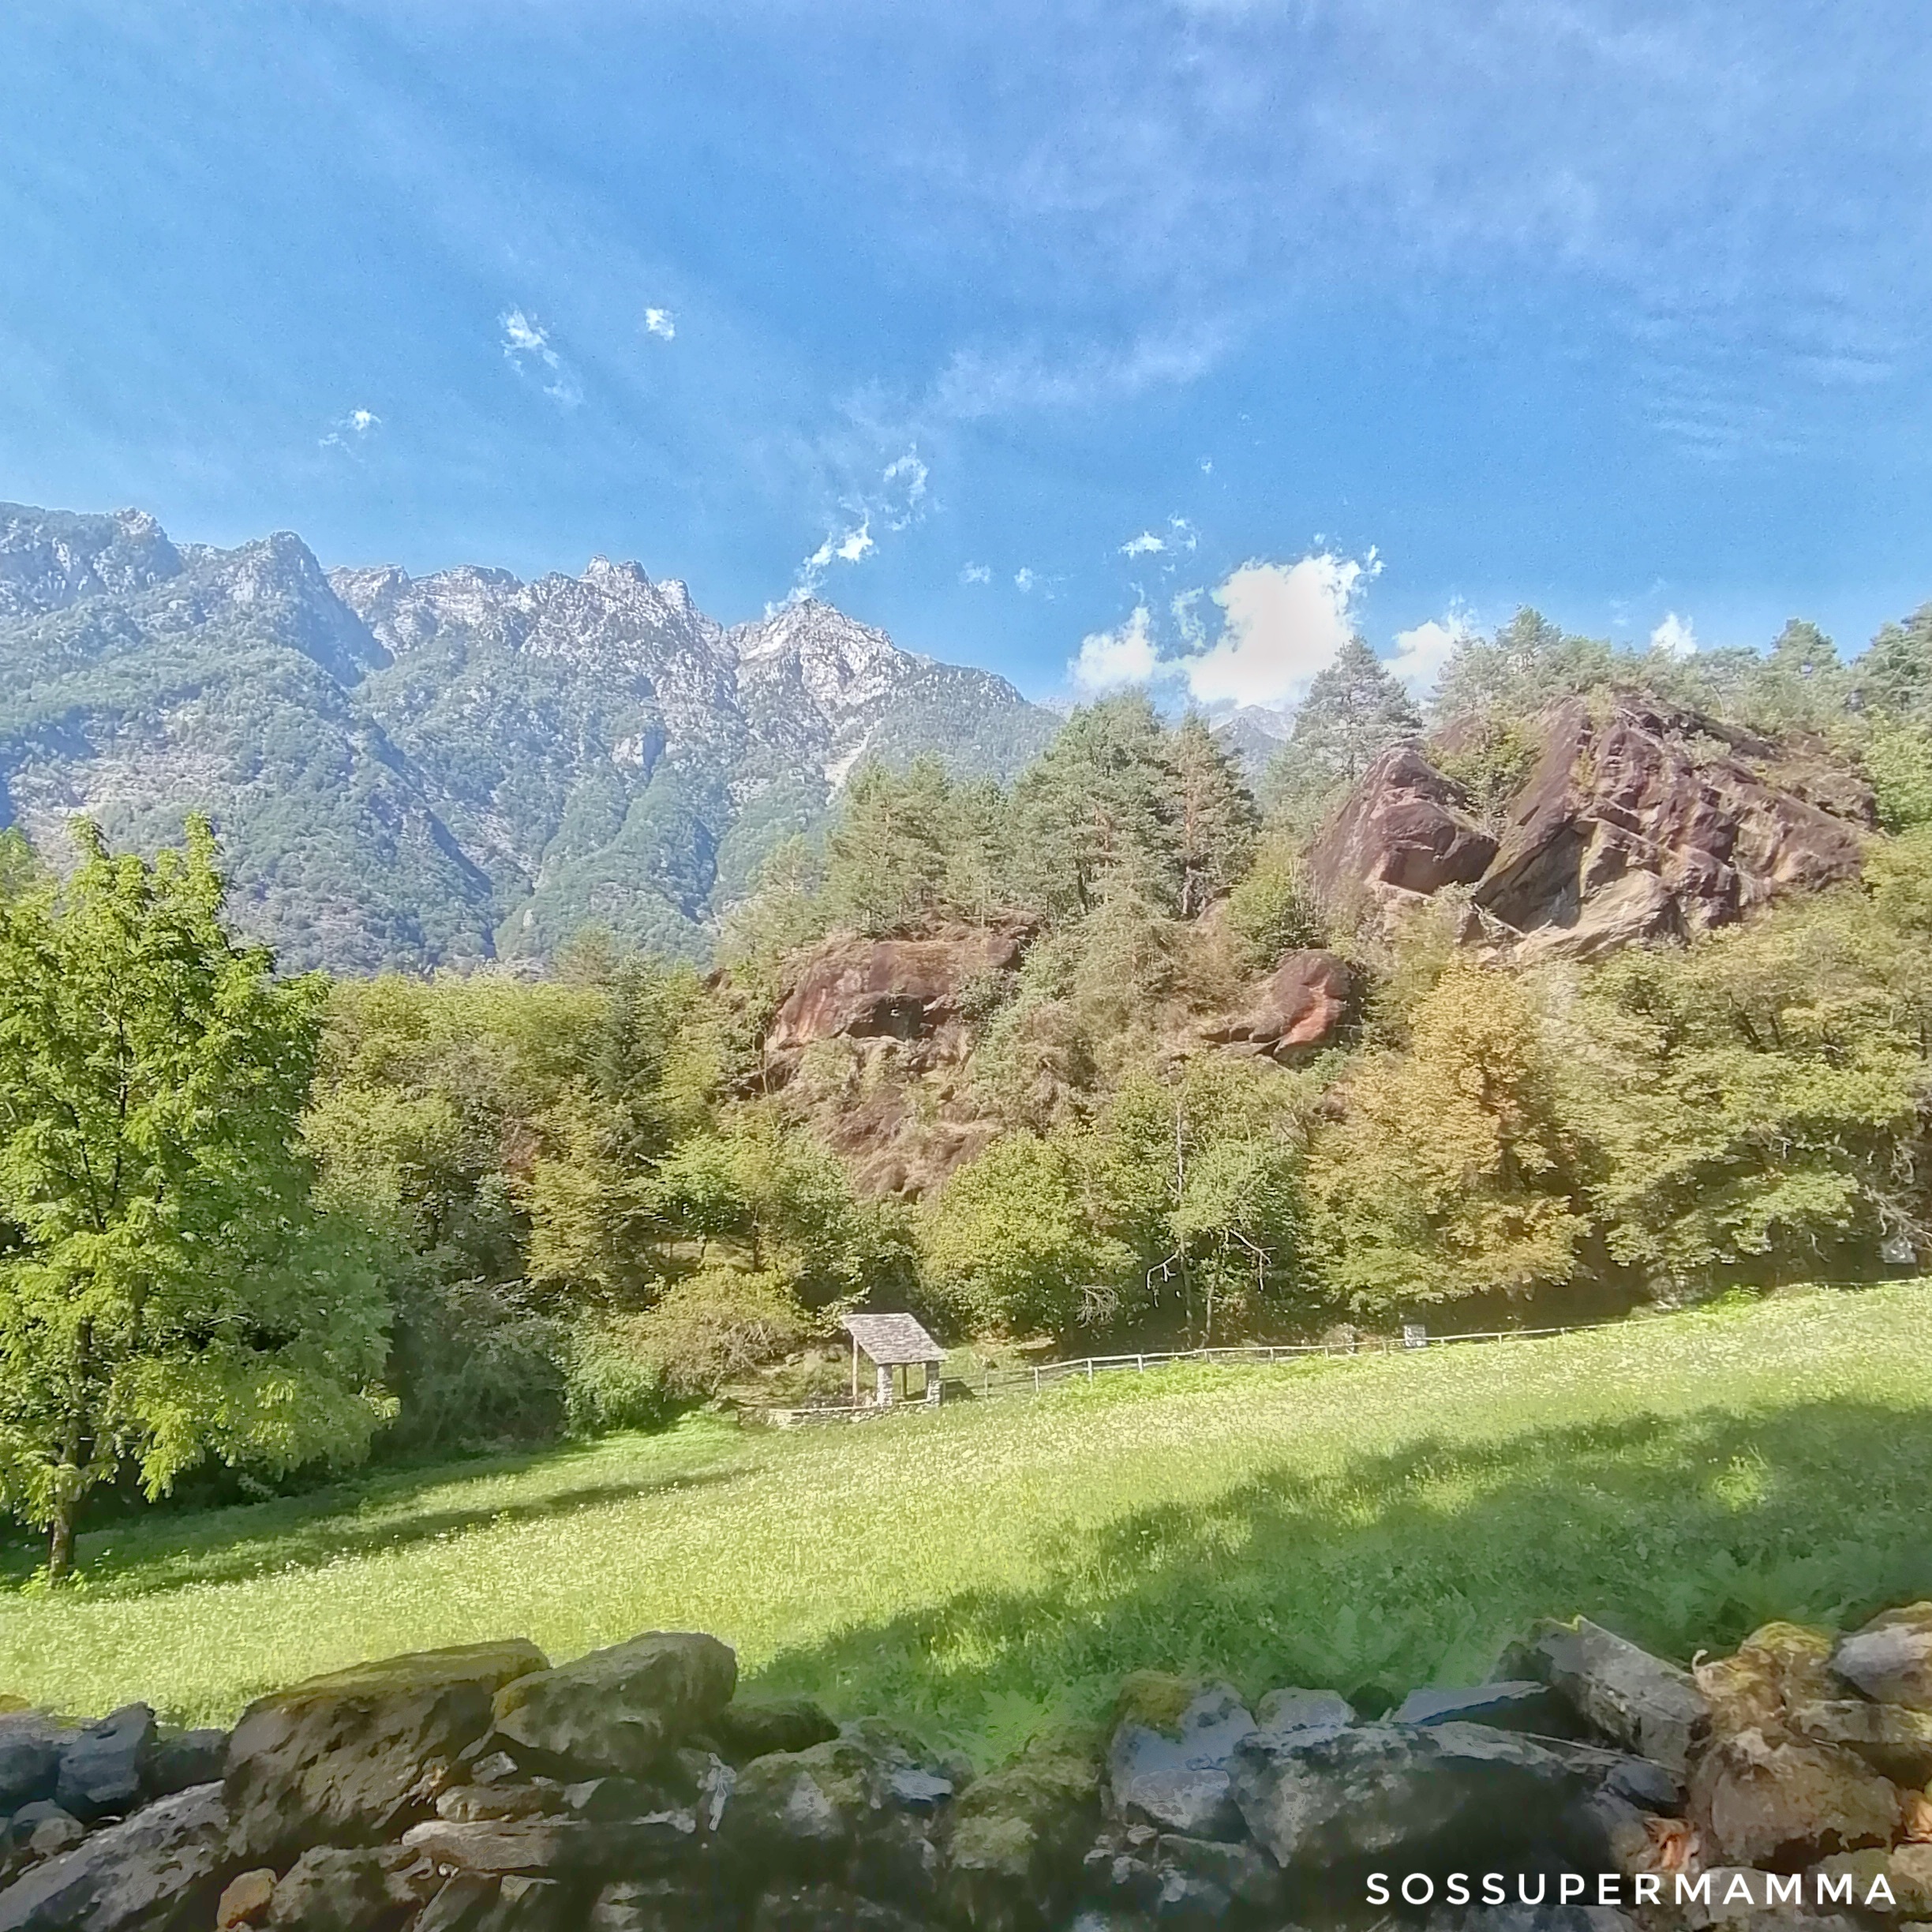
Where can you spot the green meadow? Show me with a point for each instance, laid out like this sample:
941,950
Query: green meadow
992,1568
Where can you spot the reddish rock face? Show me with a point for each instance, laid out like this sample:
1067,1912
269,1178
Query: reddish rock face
1300,1007
1632,828
1402,826
855,988
1645,823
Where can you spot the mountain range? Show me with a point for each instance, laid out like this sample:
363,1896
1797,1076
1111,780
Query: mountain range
414,772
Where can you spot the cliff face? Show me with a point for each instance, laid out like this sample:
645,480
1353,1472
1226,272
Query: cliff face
1637,822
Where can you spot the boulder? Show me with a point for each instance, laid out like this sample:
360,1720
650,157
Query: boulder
1890,1659
1637,824
474,1804
851,987
43,1830
1293,1708
1317,1799
1015,1839
349,1758
183,1757
619,1710
848,1812
161,1870
472,1902
30,1749
1645,1703
1762,1803
101,1764
1906,1870
331,1889
1775,1668
1892,1739
244,1901
829,1908
1405,825
1200,1881
1168,1760
750,1727
1520,1704
1303,1006
659,1904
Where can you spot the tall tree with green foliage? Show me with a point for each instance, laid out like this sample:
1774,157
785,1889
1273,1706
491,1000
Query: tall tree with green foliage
1100,798
1355,709
1528,663
172,1295
885,859
1215,820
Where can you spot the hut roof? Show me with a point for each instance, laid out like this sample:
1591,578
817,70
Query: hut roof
890,1339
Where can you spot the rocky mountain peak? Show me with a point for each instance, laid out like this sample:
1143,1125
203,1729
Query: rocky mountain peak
50,559
838,663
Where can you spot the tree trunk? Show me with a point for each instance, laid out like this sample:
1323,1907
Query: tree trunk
60,1532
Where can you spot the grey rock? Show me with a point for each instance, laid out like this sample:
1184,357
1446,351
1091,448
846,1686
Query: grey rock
1645,1703
346,1758
750,1726
330,1890
659,1905
1890,1658
1177,1777
829,1908
474,1804
605,1798
1196,1873
1892,1739
185,1758
102,1764
1292,1708
160,1871
1649,1787
619,1710
30,1747
1315,1799
1519,1704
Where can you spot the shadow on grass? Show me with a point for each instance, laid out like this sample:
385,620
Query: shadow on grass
226,1545
1419,1565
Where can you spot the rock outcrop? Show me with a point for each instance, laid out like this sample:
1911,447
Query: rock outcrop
1306,1004
1637,821
911,991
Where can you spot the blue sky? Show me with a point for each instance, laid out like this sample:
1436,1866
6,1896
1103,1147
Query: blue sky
1392,313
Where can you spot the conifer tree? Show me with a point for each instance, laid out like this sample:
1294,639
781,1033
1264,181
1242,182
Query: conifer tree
1354,709
1214,816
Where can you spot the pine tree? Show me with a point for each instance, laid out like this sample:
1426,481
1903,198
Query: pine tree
1355,709
1214,817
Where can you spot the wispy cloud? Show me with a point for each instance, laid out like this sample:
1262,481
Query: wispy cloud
1024,578
895,502
661,323
976,573
978,383
528,349
349,431
1147,543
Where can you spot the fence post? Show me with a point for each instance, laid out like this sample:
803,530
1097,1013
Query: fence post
1141,1363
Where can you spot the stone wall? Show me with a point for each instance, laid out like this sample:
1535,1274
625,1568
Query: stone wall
480,1790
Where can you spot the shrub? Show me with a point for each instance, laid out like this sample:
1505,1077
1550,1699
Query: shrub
720,1324
611,1383
1272,911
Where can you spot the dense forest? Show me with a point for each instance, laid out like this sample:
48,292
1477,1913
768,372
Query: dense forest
275,1223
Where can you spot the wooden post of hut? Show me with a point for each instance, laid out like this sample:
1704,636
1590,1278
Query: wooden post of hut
891,1341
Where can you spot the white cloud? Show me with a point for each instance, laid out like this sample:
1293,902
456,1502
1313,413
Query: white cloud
1184,536
1024,578
661,323
896,503
527,348
1421,654
1186,614
1108,660
1207,466
976,573
1283,623
976,383
1147,543
351,429
1674,636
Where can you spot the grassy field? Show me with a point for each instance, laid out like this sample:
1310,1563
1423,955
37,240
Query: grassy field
1371,1523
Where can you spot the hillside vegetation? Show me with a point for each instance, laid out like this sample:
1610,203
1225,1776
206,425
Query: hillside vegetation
992,1570
1603,987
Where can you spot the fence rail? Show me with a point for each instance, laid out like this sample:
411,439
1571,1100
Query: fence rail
1087,1367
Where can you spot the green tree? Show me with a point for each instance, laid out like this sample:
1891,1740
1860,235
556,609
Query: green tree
1273,909
1450,1174
1528,663
1355,709
1100,798
885,859
1214,816
1009,1246
173,1295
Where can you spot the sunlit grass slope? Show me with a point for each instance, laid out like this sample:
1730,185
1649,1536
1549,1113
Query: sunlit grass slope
1371,1523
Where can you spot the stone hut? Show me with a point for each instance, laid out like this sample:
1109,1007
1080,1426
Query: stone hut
890,1343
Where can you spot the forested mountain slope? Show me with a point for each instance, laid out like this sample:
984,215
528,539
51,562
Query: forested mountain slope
415,772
